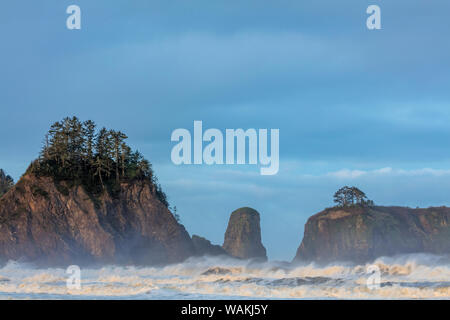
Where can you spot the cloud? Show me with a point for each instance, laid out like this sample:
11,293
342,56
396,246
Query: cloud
387,171
347,174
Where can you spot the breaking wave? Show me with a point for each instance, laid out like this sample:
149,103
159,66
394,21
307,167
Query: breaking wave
418,276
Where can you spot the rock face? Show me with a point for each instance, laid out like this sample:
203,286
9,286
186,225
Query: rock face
243,235
204,247
53,224
362,234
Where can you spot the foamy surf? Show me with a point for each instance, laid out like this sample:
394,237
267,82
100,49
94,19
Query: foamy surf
416,276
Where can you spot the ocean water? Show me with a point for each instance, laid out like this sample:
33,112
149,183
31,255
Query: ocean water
417,276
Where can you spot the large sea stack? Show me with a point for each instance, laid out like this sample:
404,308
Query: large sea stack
361,234
55,223
89,198
243,235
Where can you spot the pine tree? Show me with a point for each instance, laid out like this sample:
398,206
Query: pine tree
117,139
74,151
89,132
347,196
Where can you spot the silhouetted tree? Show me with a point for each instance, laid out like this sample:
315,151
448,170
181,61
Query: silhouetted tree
360,197
347,196
117,140
342,196
89,132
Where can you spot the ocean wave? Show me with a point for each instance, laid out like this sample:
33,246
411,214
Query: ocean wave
417,276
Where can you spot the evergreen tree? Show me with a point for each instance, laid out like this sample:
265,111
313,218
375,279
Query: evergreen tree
74,151
117,140
348,196
89,132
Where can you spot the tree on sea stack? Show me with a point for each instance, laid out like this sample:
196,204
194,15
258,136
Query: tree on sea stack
99,161
350,196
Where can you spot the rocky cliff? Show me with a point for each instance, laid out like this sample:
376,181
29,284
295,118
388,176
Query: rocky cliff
361,234
59,223
243,235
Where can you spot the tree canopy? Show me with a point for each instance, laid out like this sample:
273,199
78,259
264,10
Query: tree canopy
348,196
98,159
6,182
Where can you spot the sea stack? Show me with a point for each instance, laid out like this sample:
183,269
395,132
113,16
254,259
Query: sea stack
243,235
89,198
204,247
362,234
56,223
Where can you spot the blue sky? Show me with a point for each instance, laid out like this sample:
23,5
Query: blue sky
359,107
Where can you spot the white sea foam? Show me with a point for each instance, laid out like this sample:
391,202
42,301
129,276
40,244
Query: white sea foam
404,277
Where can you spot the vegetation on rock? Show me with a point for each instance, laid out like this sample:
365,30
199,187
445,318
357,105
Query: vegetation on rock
76,152
361,234
350,196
